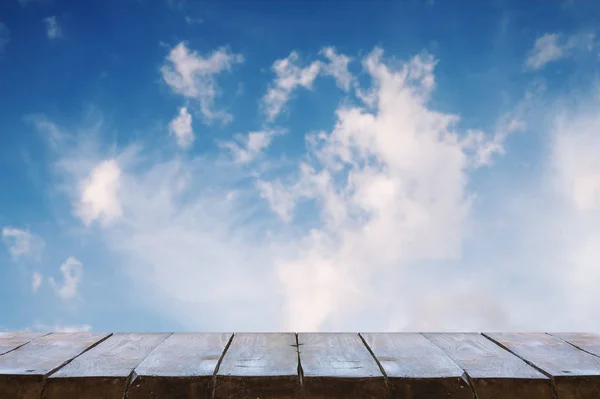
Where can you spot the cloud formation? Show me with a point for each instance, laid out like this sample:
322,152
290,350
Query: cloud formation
553,46
181,128
36,281
366,228
388,186
246,148
99,199
53,28
194,76
289,76
22,243
72,271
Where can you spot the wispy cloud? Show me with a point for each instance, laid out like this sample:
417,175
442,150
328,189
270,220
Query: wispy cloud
71,271
246,148
53,28
36,281
289,76
553,46
181,128
22,243
193,76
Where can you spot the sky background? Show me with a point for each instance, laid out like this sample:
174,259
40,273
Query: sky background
397,165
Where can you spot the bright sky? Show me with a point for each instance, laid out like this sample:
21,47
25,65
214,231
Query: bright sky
397,165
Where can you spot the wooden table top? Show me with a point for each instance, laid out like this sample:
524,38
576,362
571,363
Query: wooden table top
304,365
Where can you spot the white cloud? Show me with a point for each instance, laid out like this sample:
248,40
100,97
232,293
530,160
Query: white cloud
338,68
368,229
53,29
576,145
288,76
4,36
391,188
553,46
193,76
72,271
98,194
386,189
181,128
36,281
246,148
22,243
62,328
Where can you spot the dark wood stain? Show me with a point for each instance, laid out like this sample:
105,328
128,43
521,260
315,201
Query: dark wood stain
416,368
259,365
494,372
576,373
22,371
339,366
103,371
182,367
10,341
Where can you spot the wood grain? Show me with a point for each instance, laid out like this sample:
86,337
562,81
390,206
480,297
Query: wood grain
182,367
339,366
103,371
12,340
22,371
494,372
576,373
416,368
589,342
261,365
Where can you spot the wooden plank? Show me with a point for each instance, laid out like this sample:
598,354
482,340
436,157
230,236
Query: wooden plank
416,368
494,372
259,365
589,342
339,366
22,371
576,373
103,371
182,367
12,340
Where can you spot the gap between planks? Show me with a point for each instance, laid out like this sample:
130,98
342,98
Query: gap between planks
544,372
45,381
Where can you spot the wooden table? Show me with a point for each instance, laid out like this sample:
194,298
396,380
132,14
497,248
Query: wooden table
306,365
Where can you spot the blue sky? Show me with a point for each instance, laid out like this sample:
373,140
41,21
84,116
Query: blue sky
230,165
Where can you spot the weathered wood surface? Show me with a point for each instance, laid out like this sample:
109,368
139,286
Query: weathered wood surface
23,371
102,372
576,374
339,366
416,368
181,367
10,341
494,372
308,366
259,366
588,342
